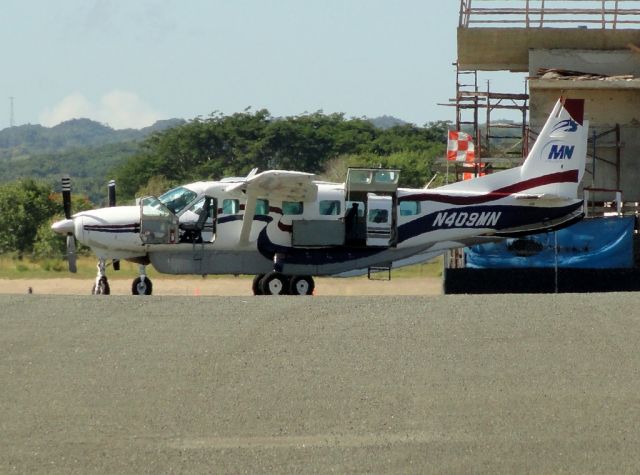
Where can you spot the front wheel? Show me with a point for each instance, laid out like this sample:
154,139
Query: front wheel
274,283
141,286
101,287
301,285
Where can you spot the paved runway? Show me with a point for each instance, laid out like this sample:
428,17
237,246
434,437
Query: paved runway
457,384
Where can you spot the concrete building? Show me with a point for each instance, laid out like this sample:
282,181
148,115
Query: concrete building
591,52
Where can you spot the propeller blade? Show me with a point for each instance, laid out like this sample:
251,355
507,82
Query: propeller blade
112,203
112,193
71,253
66,196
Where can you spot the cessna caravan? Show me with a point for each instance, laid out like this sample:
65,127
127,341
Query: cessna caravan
285,227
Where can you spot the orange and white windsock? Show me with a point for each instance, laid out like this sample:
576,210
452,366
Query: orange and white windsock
460,147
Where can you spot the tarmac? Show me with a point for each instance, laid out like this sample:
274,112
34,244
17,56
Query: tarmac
446,384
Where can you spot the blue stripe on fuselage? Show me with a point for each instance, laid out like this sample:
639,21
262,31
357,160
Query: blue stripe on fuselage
476,217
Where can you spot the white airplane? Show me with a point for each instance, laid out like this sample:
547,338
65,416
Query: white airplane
284,227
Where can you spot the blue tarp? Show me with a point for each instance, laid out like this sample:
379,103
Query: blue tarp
598,243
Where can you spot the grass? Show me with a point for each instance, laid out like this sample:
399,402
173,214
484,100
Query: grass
13,268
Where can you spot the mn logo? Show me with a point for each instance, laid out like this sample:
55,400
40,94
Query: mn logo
561,152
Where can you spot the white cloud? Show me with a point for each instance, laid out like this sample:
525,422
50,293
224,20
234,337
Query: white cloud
118,109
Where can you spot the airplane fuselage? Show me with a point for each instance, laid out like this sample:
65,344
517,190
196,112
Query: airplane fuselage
419,221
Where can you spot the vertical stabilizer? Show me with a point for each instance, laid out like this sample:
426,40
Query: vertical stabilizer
556,163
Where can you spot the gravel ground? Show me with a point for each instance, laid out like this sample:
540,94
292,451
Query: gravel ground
225,286
456,384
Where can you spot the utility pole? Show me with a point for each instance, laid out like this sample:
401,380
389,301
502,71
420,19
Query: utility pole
11,121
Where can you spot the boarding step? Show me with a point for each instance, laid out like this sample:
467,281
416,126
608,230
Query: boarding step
379,272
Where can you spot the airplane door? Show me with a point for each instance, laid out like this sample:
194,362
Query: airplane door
158,225
379,220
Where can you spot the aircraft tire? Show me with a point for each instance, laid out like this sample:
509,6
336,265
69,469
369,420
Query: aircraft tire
274,283
255,286
301,285
101,288
138,287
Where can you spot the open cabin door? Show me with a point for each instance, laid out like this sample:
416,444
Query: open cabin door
375,189
379,220
158,225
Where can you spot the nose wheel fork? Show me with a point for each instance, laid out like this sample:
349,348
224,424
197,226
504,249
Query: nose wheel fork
101,285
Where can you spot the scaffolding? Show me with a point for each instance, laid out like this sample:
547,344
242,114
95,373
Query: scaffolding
470,100
604,14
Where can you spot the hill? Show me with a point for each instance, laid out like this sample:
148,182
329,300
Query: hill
386,122
28,140
82,148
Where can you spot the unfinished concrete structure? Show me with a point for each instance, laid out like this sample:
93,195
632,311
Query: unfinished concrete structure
589,50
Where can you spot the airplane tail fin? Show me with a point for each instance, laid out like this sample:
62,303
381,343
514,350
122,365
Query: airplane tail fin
556,163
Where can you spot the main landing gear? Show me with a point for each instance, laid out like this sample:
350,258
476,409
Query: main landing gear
275,283
141,285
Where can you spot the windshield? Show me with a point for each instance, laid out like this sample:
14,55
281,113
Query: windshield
177,199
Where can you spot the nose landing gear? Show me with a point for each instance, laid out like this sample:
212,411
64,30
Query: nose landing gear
101,285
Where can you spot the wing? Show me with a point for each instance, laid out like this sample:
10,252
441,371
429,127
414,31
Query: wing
279,185
276,185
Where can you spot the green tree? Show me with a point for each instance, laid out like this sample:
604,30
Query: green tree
24,206
220,146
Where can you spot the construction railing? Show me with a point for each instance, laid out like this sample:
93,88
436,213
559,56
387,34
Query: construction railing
604,14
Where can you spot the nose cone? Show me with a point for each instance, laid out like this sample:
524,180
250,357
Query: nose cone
64,226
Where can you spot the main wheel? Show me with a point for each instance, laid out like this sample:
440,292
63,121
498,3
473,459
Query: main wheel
141,287
301,285
255,286
101,287
274,283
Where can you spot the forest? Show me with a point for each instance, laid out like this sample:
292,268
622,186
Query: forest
201,149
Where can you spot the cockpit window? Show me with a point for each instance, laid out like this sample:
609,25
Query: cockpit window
177,199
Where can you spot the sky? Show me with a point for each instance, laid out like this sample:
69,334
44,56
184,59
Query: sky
128,63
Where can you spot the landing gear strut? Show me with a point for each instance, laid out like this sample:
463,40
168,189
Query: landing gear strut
101,285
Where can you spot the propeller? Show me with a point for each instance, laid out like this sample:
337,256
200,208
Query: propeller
71,240
112,193
112,203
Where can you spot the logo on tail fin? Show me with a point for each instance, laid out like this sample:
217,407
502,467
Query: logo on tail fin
567,125
561,152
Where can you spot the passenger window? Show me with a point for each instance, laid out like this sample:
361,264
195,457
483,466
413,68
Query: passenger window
378,216
262,207
329,207
230,206
292,207
409,208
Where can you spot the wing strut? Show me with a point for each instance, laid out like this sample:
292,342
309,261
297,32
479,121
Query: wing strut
247,221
